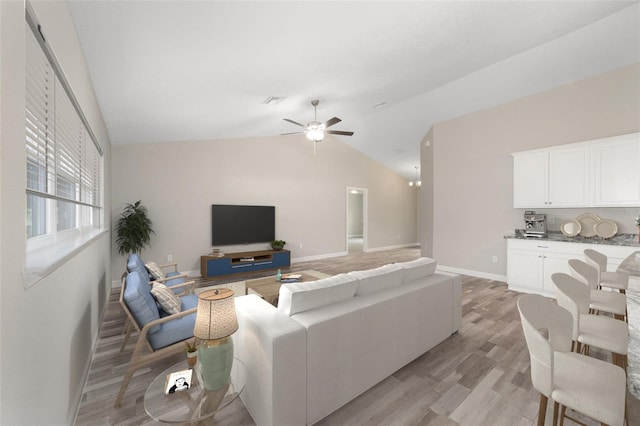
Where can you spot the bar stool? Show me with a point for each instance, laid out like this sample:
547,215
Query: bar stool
590,386
615,280
591,330
600,300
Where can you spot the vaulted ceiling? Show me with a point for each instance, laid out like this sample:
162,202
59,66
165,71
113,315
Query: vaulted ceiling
190,70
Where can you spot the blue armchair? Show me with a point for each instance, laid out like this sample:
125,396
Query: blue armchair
171,278
162,333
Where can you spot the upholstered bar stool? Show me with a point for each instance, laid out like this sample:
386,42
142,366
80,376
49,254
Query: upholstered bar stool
589,330
590,386
600,300
615,280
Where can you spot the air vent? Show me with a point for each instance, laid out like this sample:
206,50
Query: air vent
273,100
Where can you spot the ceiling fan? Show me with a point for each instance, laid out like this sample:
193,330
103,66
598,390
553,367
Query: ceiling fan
316,130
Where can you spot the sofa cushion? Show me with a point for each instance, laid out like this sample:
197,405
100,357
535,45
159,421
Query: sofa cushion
378,279
155,271
419,268
166,298
141,304
299,297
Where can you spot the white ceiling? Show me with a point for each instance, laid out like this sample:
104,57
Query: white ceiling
191,70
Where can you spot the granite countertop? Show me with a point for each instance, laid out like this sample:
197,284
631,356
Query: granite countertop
630,240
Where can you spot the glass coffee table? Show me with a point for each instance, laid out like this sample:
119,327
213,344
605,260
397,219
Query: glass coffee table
196,403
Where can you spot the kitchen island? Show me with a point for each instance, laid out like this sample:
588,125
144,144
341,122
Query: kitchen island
631,266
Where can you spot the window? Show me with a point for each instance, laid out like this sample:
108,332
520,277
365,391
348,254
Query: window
64,161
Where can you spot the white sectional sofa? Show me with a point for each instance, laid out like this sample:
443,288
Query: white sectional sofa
330,340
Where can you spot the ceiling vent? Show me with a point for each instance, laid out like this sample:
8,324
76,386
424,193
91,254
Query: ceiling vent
273,100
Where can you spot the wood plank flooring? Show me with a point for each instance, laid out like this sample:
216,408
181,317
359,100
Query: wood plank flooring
479,376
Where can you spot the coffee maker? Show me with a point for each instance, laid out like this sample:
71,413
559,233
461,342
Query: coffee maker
535,225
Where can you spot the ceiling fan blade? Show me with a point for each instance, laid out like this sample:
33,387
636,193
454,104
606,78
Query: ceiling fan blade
292,133
331,122
294,122
339,132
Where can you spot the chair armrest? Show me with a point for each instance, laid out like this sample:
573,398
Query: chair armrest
188,286
169,265
162,280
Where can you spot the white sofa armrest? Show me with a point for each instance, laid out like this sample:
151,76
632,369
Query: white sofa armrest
273,347
457,300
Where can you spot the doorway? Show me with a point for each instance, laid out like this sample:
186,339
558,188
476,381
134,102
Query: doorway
356,220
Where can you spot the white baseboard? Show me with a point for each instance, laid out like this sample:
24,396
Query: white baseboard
406,245
318,257
494,277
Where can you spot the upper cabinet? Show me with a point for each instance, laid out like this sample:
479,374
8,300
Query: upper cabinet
552,178
598,173
617,171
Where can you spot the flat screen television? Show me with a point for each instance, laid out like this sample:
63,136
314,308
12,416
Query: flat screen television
236,224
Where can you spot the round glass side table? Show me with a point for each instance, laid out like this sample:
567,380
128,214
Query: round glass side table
193,404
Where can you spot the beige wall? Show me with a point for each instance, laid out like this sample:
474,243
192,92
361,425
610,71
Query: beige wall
179,181
472,167
49,329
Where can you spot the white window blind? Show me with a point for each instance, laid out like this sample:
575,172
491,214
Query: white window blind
64,161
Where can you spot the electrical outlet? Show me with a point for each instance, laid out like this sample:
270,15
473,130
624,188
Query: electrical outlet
300,245
494,259
169,258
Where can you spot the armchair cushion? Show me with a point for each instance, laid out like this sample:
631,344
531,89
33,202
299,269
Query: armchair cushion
178,329
134,263
155,271
141,304
166,298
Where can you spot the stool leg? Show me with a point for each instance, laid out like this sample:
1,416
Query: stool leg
542,410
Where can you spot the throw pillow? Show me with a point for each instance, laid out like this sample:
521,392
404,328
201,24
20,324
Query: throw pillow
378,279
166,298
155,271
303,296
416,269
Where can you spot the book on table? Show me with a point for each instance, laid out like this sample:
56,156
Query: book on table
290,278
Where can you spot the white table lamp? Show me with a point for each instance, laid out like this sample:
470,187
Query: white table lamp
215,322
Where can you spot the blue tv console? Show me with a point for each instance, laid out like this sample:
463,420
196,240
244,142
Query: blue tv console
212,265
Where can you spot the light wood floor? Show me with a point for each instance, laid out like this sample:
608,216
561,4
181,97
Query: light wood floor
479,376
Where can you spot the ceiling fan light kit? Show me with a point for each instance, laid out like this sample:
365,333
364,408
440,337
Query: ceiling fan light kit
315,130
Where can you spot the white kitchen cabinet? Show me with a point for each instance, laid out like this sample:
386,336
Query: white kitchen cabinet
550,178
530,180
598,173
530,263
617,171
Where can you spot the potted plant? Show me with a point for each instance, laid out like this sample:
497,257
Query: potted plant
278,244
133,229
192,354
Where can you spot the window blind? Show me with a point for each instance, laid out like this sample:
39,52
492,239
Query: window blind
64,161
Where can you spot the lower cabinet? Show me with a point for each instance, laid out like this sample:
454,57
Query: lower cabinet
244,262
531,263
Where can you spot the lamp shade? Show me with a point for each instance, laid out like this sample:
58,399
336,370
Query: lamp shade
216,315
